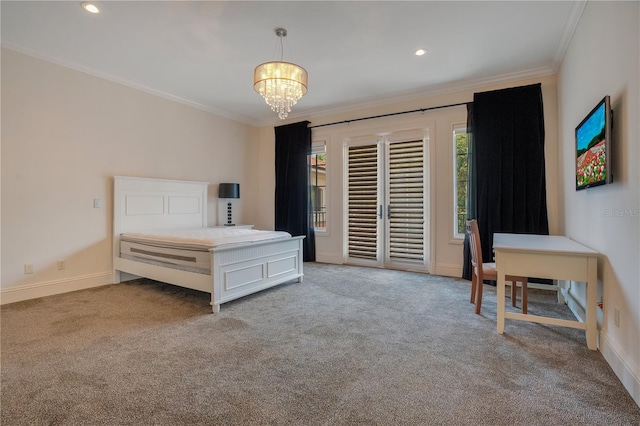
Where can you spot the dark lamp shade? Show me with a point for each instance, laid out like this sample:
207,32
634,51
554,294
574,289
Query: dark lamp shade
229,190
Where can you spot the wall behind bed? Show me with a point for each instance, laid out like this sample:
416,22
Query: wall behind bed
65,134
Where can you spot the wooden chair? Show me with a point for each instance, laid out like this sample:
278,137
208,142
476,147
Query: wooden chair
487,271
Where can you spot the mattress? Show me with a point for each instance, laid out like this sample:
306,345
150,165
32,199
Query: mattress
188,249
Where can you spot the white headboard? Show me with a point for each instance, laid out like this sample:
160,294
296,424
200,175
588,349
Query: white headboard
142,203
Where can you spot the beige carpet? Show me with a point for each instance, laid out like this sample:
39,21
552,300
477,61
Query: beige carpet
348,346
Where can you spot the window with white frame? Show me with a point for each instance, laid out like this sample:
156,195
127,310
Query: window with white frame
460,179
318,163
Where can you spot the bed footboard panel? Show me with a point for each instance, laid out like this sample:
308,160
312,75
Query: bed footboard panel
245,270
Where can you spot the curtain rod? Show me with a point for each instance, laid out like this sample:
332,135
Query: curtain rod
389,115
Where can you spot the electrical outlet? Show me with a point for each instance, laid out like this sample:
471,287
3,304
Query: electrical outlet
28,268
616,316
61,265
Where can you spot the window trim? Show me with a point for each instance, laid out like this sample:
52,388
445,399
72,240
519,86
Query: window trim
315,145
457,128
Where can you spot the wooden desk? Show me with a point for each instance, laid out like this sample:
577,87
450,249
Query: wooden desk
547,256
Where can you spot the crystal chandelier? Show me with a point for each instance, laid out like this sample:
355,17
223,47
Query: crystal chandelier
281,84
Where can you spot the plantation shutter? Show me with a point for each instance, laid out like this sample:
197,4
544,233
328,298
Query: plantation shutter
405,210
363,202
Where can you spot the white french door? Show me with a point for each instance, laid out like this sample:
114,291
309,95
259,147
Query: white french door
387,190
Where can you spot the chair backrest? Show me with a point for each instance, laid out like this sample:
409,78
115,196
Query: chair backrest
474,243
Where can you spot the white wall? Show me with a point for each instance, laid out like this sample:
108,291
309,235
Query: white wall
65,134
603,59
262,164
446,253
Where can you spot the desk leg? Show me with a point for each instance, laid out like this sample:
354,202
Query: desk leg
501,300
592,291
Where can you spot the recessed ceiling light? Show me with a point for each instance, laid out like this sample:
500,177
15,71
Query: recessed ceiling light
90,7
421,52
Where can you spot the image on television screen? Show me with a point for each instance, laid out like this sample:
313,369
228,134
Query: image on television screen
591,148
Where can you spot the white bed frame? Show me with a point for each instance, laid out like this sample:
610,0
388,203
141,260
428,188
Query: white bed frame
141,204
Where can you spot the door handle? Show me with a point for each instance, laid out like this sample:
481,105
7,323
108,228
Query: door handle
380,212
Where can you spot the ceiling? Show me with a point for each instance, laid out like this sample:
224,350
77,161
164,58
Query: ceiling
358,53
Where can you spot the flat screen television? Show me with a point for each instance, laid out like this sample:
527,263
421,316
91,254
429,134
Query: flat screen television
593,147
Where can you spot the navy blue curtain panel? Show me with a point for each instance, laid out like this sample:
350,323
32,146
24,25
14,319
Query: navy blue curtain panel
508,136
292,200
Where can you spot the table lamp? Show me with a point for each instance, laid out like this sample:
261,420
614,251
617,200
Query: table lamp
229,191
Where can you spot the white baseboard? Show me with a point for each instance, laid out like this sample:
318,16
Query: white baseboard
329,258
622,365
627,371
448,270
50,288
574,304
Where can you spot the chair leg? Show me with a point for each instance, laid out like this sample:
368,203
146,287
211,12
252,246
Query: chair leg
524,296
478,295
513,293
474,280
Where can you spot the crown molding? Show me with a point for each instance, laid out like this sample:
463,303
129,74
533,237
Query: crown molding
436,90
577,8
308,114
47,58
